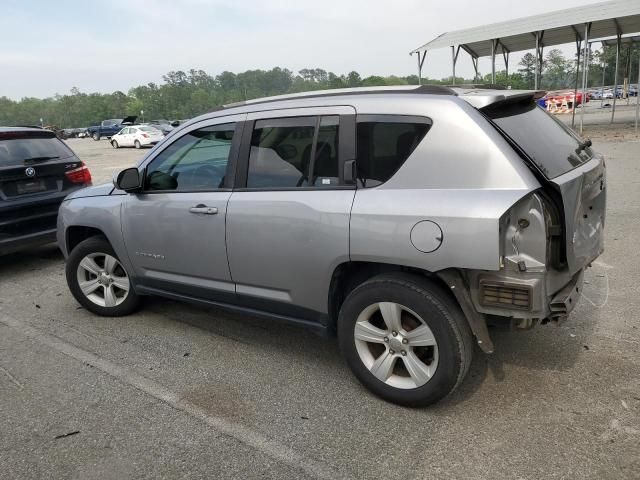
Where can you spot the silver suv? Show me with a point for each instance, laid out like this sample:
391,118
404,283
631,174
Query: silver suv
402,219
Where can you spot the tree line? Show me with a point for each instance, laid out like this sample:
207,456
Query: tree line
187,94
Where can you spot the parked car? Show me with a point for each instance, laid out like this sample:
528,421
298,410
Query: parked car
108,128
137,136
355,211
596,94
37,171
163,125
607,94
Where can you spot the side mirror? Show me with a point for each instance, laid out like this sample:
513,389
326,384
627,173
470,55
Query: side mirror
128,180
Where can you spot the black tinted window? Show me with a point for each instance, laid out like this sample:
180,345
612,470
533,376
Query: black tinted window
549,143
282,150
17,150
196,161
383,147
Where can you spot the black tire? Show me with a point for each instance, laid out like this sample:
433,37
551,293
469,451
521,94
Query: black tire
96,136
97,244
114,144
137,144
437,309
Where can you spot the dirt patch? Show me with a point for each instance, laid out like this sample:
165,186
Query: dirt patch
612,133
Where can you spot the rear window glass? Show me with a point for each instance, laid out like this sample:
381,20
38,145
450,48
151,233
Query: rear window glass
553,147
21,151
148,129
383,147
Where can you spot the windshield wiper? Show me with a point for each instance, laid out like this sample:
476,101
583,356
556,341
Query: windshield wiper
583,145
40,159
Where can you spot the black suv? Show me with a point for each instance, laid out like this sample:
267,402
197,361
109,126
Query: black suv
37,171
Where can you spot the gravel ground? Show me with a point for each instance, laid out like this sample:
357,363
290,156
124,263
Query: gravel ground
177,391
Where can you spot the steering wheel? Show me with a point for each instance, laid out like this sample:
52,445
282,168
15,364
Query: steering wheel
204,174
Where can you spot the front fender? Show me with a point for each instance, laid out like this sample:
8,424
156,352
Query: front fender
102,213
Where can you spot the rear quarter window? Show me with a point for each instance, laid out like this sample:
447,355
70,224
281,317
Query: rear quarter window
553,147
384,144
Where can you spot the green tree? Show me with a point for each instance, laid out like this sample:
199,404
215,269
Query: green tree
527,69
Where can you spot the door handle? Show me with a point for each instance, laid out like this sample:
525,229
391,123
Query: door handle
203,210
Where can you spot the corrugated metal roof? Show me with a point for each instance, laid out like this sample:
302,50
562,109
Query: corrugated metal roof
607,19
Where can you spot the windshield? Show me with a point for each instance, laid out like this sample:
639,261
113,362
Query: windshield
553,147
16,150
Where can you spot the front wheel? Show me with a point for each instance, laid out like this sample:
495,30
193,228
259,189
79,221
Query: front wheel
114,144
96,136
137,144
98,280
405,339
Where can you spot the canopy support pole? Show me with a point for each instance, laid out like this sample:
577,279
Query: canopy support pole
535,74
615,80
539,59
604,70
493,61
585,74
420,63
505,56
454,58
638,94
575,90
475,67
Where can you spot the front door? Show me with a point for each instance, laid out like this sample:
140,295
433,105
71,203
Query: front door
288,218
174,229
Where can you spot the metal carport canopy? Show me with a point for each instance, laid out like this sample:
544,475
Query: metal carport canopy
607,19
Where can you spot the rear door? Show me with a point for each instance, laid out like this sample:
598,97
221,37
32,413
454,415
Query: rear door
174,230
288,217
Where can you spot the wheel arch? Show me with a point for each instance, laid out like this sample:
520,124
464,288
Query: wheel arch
78,233
348,275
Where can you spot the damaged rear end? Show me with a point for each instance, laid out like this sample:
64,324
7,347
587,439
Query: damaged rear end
550,236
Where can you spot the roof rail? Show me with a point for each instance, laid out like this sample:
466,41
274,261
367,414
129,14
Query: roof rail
421,89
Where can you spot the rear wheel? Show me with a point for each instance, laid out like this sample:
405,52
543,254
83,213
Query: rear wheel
138,144
98,281
114,144
405,339
96,136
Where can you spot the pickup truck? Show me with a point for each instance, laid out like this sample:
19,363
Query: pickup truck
108,128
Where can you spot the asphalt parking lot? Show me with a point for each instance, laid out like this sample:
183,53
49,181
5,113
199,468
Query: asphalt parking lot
177,391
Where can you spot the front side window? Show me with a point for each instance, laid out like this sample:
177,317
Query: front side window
383,146
197,161
294,152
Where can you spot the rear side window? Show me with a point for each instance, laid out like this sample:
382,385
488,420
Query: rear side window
294,152
18,150
553,147
384,143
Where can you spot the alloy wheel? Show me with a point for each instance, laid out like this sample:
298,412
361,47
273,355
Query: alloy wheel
103,280
396,345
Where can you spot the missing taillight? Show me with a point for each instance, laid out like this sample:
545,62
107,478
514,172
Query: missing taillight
79,175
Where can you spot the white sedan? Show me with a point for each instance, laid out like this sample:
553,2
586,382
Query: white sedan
136,136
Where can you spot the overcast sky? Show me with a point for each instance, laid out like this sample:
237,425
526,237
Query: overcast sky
48,46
